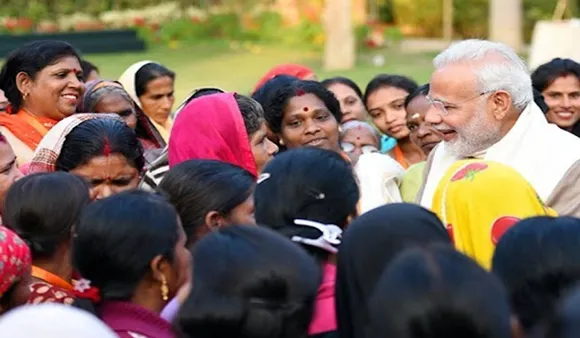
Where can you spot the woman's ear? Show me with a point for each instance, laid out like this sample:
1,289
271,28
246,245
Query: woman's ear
23,83
160,268
517,329
214,220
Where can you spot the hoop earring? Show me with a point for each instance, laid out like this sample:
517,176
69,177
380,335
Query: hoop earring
164,288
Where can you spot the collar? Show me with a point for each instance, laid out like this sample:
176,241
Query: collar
129,317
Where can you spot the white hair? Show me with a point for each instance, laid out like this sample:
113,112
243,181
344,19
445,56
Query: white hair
510,74
360,124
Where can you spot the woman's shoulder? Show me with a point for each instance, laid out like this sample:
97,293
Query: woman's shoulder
42,292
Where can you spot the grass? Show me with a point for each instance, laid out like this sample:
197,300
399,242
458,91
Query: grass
237,67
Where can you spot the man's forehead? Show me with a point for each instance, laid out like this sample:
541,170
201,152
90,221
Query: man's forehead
452,81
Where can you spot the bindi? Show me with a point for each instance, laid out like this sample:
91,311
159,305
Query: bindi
107,148
305,109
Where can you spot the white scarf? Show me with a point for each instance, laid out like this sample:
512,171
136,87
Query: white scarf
540,151
378,178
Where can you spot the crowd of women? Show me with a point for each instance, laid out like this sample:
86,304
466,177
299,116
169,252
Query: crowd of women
124,216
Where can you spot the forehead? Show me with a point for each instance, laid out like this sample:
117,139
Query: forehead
385,95
565,83
454,80
113,99
6,153
297,104
160,84
65,62
341,91
112,166
360,132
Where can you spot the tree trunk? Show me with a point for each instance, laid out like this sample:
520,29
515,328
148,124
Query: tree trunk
339,53
448,20
505,22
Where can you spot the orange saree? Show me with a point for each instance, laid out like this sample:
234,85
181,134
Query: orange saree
26,127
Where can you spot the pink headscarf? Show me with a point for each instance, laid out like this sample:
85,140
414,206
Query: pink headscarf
15,259
211,127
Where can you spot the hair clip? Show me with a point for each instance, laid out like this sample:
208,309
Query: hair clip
263,177
331,235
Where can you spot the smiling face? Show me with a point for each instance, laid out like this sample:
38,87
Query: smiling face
351,104
563,99
158,98
117,104
108,175
422,134
468,126
308,122
54,91
386,107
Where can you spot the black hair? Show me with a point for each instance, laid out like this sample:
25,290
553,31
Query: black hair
87,69
264,93
252,113
148,73
41,220
538,262
564,323
274,108
196,187
302,184
343,81
539,100
94,137
385,80
31,58
116,239
421,91
547,73
438,292
262,286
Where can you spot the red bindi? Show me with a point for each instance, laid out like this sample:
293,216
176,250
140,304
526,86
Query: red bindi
75,70
358,138
107,148
305,109
300,92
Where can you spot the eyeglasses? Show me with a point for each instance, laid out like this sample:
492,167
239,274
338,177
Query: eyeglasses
440,105
349,148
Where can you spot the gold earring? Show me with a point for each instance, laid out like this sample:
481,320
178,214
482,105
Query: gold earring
281,142
164,288
24,96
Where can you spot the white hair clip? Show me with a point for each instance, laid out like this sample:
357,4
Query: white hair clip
330,238
263,177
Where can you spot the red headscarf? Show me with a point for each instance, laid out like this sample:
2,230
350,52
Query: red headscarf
15,259
211,127
299,71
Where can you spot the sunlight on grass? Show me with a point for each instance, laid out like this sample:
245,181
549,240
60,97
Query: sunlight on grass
236,67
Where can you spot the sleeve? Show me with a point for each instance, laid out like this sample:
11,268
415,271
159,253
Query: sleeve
565,198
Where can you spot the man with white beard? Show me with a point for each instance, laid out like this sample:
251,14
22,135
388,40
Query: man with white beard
482,102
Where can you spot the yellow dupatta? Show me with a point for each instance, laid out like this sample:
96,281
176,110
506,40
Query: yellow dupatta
478,201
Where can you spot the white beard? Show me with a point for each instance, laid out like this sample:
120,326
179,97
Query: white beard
477,135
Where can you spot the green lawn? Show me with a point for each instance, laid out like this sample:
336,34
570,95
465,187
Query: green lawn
238,67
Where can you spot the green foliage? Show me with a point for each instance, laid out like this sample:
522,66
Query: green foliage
423,17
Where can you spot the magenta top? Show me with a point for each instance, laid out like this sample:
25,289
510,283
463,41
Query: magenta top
129,320
324,319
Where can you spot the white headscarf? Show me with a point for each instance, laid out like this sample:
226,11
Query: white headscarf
127,79
52,320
